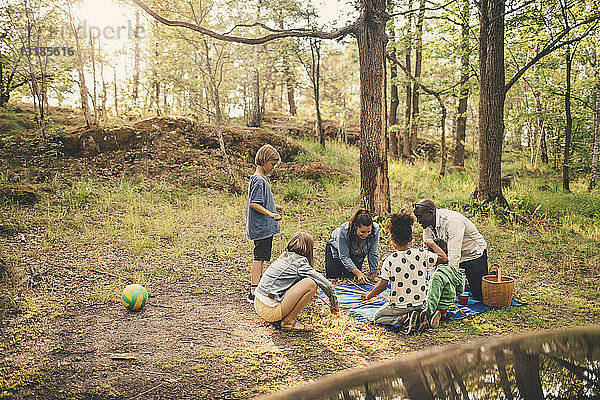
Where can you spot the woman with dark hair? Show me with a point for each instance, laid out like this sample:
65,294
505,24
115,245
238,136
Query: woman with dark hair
349,245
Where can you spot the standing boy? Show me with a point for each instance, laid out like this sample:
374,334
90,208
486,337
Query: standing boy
262,213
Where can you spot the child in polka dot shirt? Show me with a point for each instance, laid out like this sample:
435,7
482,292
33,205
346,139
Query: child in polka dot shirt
406,271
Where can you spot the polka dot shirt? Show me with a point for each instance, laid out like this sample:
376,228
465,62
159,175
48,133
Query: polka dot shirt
407,272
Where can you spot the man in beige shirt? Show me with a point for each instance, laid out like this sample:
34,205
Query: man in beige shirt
466,246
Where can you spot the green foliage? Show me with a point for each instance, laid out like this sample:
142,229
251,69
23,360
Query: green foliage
80,195
297,190
335,153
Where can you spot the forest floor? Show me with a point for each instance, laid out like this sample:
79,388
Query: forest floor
154,210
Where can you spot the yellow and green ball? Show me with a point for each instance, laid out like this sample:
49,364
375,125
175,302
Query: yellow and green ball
134,297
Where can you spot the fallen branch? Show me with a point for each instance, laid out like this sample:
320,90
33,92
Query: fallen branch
104,273
155,387
160,305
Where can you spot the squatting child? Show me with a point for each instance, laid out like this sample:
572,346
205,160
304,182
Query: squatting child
406,270
262,213
289,283
445,284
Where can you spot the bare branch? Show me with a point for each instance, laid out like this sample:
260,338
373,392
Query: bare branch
519,7
418,9
265,27
339,33
427,90
555,45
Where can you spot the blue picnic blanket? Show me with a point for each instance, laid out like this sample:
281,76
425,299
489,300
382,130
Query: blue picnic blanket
348,298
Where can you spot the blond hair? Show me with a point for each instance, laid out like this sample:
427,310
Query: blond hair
302,243
266,153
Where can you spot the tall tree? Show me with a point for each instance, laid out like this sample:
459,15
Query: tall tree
541,148
155,79
290,84
116,95
257,106
463,96
11,59
136,58
491,80
569,119
443,110
369,30
596,144
491,100
415,120
94,87
394,101
284,11
406,153
83,89
313,70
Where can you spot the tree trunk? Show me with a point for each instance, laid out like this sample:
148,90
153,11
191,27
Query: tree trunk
115,88
256,107
320,132
83,92
569,126
155,88
213,85
165,99
416,384
443,134
527,374
394,102
371,38
290,84
541,130
136,70
103,107
414,128
315,71
544,148
95,92
596,147
157,94
7,78
408,110
491,101
504,380
255,114
463,97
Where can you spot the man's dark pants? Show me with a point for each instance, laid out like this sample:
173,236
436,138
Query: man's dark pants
475,270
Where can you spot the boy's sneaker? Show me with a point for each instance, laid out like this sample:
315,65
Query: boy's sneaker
250,298
411,322
423,321
435,319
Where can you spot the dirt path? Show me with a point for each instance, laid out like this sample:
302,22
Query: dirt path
196,338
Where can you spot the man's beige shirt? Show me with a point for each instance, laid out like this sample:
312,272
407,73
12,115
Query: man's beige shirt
465,243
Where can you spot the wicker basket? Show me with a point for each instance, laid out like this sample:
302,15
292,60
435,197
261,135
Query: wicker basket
497,289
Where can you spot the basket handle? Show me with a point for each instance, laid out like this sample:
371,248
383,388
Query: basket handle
496,267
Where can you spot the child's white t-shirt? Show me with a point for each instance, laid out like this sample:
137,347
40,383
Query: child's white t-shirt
407,273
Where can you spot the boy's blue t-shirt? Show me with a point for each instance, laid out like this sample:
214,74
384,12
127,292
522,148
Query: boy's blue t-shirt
258,225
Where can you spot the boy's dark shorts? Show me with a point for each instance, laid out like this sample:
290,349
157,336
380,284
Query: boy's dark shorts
262,249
